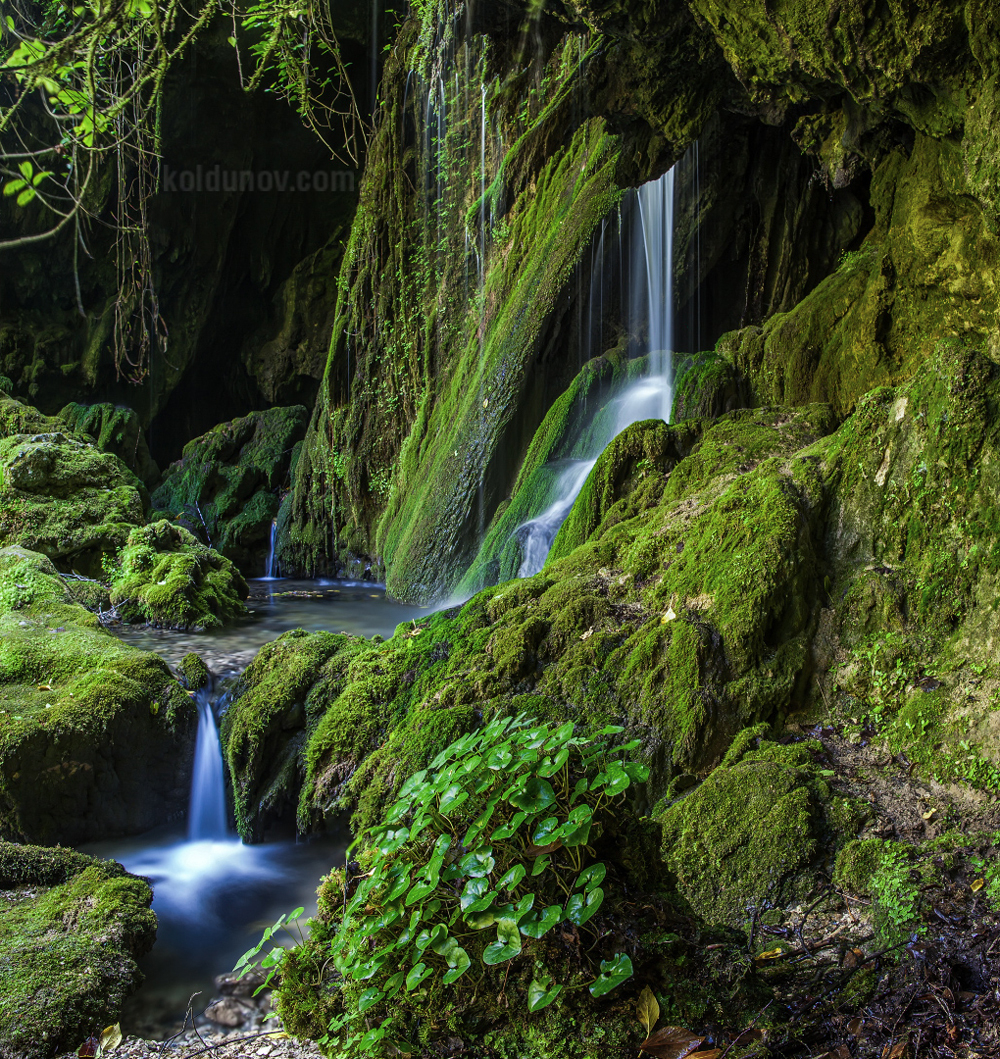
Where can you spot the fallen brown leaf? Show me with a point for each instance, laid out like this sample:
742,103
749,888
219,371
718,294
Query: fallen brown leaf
671,1042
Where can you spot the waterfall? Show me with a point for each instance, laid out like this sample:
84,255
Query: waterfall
270,555
649,397
207,813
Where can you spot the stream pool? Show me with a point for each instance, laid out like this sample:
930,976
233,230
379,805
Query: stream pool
212,894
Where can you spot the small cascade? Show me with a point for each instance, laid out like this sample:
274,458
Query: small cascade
651,395
207,813
270,555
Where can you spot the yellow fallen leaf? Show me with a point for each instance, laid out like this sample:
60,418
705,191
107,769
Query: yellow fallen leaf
771,954
111,1037
976,885
44,687
649,1009
669,616
928,814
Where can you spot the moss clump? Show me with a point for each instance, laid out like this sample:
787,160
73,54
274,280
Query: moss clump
70,930
61,496
225,488
276,705
707,386
116,429
95,736
747,834
195,674
164,576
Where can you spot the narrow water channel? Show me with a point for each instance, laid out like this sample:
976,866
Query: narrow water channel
212,894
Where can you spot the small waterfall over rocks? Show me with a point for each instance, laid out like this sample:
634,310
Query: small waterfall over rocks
651,395
207,812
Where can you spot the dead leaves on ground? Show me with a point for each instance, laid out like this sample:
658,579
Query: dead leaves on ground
95,1047
674,1042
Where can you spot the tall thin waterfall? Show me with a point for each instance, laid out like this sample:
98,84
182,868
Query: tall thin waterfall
649,397
655,242
207,814
270,555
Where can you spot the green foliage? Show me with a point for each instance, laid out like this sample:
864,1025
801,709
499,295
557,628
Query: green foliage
483,854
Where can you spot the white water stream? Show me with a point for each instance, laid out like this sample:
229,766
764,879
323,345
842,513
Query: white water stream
650,397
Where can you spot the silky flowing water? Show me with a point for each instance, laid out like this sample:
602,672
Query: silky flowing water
212,894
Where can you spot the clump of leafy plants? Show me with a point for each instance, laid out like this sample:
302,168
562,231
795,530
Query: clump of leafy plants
483,854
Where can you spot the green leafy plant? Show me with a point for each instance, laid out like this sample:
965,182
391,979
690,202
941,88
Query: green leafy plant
483,854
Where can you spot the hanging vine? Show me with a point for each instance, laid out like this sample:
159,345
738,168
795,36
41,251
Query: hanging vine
81,88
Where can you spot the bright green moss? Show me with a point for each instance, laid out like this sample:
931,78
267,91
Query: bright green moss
746,834
70,930
61,496
68,692
116,429
164,576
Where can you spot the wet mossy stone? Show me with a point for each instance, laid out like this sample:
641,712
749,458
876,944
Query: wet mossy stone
165,576
71,929
276,704
96,736
117,429
707,386
19,418
226,487
747,834
195,674
61,496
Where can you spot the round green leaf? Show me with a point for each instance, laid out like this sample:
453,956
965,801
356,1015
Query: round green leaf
535,924
474,890
541,994
507,945
581,907
613,973
418,974
479,863
508,830
536,796
546,832
369,997
512,878
458,962
590,877
452,799
541,863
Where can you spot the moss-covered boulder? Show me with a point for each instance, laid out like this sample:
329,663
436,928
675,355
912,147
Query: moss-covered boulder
96,737
71,928
226,488
117,429
61,496
165,576
275,707
747,837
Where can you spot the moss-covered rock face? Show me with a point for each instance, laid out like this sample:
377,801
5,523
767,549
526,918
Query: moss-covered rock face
275,707
686,615
65,498
226,488
96,737
71,928
117,429
164,576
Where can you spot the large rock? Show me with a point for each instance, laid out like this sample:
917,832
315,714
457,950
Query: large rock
62,496
96,737
226,488
71,928
164,576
